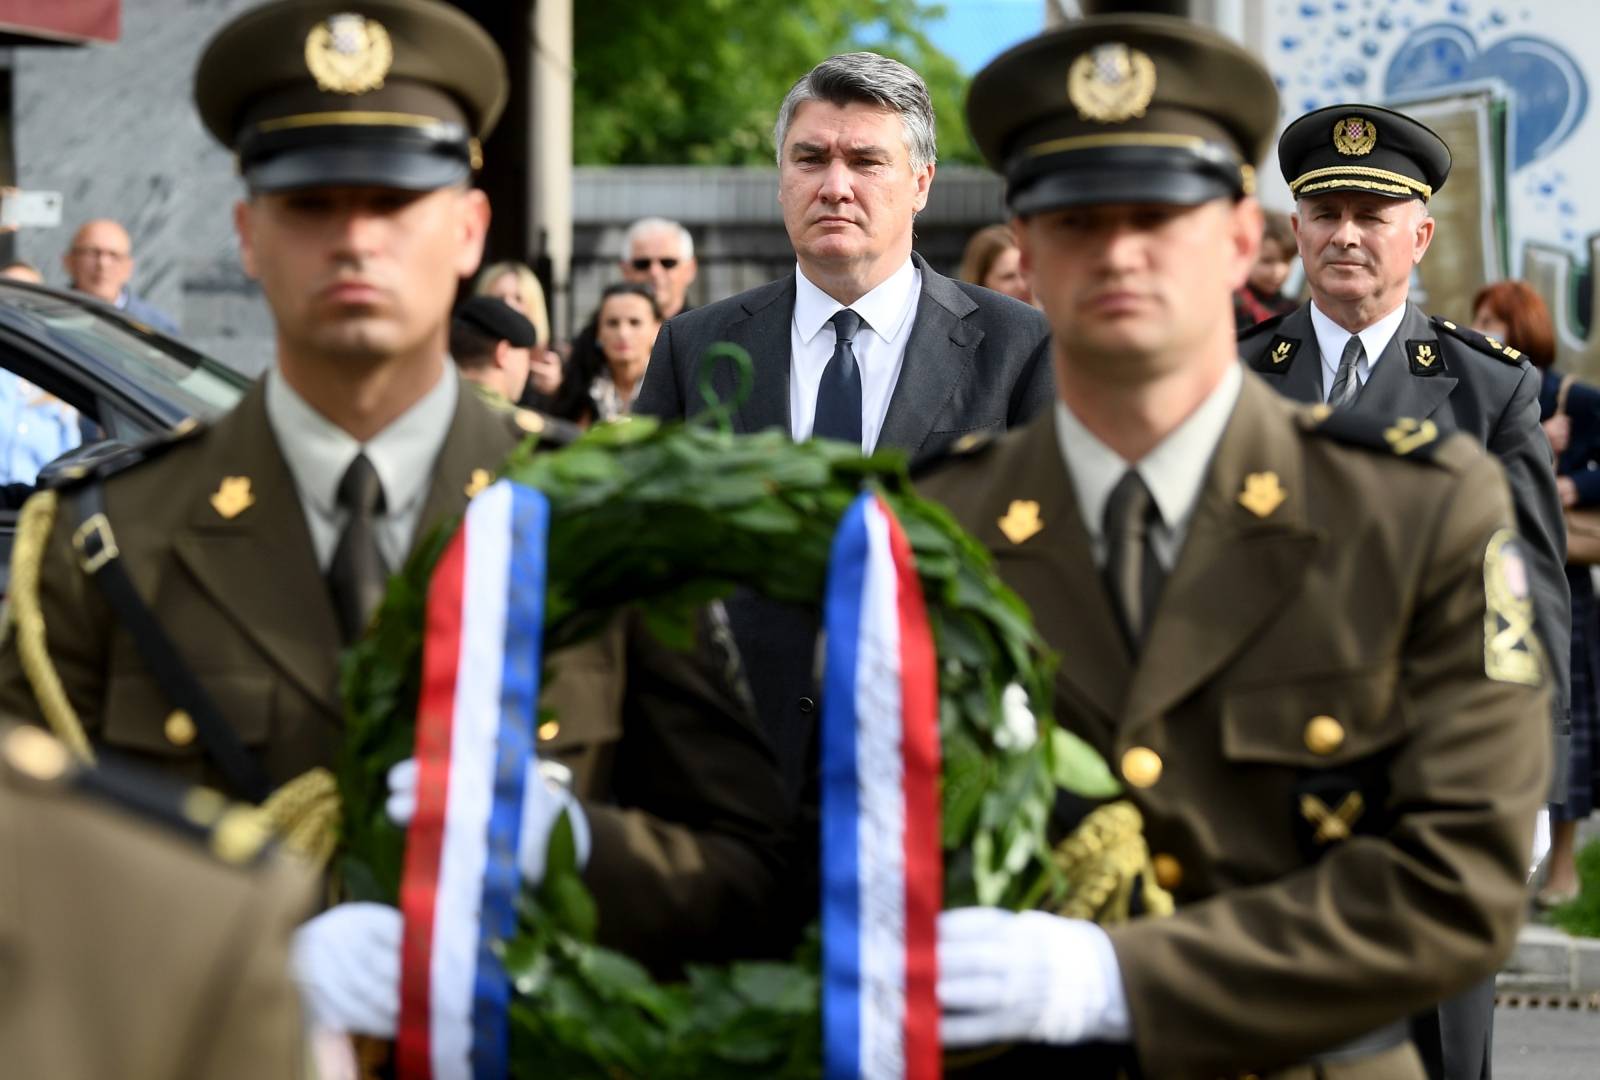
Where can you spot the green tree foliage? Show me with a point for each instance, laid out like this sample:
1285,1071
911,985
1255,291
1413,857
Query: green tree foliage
698,82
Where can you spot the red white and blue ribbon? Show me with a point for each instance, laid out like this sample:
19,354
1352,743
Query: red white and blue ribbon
881,875
475,719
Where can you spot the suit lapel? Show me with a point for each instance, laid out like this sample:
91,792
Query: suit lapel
939,353
1394,389
259,566
764,334
1054,572
1237,566
1303,380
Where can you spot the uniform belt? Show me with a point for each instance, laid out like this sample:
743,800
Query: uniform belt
1373,1042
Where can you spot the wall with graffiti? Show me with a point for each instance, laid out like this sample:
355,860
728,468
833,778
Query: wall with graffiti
1505,84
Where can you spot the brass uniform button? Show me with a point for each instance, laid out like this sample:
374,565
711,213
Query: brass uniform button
1169,871
1141,766
549,730
1324,735
180,728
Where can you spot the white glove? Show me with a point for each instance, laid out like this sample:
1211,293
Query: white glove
543,801
1027,977
346,962
1541,840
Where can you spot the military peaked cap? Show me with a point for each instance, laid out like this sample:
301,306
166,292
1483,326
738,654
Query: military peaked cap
1120,109
1362,148
497,319
315,93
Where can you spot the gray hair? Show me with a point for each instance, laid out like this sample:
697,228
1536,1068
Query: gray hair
868,79
657,224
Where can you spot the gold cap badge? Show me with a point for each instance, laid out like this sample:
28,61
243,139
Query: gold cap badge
349,54
1355,136
1021,520
232,497
1262,493
1111,83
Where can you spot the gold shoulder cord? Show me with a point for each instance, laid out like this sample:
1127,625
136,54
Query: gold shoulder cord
27,616
305,813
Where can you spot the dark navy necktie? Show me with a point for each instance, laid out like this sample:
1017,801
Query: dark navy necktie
838,414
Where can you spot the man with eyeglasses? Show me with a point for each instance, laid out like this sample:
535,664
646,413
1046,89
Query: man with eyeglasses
660,253
100,262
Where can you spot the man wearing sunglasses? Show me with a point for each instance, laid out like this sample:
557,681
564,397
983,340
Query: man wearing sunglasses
660,253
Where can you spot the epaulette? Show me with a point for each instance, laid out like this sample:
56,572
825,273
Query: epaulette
971,445
1264,325
1405,436
103,460
235,833
1482,342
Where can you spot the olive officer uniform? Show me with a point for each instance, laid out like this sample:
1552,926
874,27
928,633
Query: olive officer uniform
1321,706
144,930
231,539
1443,375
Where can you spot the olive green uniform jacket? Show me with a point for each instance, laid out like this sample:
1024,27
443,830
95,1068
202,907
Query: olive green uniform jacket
677,847
129,947
1339,797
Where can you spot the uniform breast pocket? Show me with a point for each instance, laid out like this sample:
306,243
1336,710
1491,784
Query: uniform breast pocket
141,720
1322,747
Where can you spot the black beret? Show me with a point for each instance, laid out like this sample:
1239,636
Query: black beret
1123,108
499,320
316,93
1362,148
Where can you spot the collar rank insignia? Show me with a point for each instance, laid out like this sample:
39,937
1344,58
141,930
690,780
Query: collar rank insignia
232,497
349,54
1425,356
1021,521
1111,83
481,478
1409,434
1355,136
1276,358
1262,493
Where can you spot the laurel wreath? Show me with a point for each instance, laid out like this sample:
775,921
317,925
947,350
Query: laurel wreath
724,511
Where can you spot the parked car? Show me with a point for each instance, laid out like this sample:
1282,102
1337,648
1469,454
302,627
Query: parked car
127,381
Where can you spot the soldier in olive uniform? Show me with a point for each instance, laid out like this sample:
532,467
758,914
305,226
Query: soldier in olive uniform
1362,177
1302,638
144,931
490,341
239,559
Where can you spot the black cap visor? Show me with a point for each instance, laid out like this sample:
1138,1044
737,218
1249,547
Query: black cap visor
343,156
1108,175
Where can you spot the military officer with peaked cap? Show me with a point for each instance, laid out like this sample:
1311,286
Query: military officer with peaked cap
186,603
1362,177
1300,638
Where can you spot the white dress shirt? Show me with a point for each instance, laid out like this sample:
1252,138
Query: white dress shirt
318,452
1174,471
880,347
1331,339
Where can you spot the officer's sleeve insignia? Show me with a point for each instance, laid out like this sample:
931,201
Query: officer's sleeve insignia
1331,824
1407,435
1425,357
1511,650
1277,357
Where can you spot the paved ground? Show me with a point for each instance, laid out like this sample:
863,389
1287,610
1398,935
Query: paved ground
1546,1044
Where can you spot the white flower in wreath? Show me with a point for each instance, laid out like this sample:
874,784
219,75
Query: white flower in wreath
1018,729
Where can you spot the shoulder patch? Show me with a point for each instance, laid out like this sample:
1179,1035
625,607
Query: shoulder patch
1278,356
102,460
1403,436
1484,344
1511,650
1425,357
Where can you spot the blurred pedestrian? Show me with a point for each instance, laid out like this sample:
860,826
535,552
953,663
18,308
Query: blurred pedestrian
659,252
1261,297
492,344
993,261
100,262
626,325
550,388
35,429
1513,313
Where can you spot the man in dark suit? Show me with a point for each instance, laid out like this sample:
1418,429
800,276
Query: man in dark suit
1362,177
864,342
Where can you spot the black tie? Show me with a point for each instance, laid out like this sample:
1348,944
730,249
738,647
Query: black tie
1133,574
838,414
357,575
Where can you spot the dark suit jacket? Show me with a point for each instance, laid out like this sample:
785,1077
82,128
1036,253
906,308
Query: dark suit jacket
976,361
1494,399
